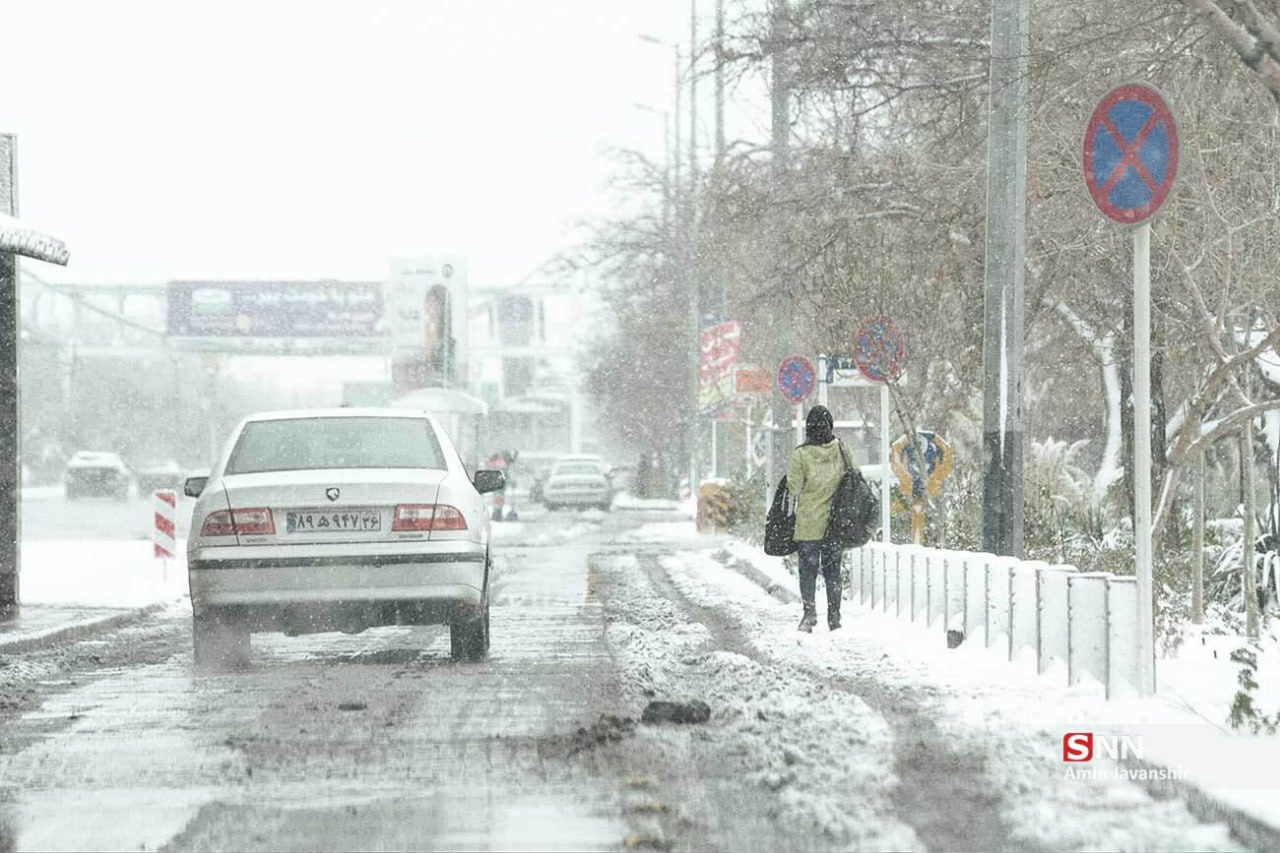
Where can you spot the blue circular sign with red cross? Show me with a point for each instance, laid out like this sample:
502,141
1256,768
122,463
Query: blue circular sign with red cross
1131,153
797,378
878,350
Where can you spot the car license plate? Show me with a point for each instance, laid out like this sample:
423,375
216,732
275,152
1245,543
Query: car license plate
333,521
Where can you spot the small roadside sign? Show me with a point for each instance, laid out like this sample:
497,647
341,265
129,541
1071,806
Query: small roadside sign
842,371
797,378
1131,153
749,379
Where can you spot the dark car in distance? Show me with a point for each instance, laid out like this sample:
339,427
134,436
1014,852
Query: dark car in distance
95,473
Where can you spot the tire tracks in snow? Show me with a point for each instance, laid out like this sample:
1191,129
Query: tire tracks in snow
936,780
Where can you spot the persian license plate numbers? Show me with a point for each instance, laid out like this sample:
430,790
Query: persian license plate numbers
333,521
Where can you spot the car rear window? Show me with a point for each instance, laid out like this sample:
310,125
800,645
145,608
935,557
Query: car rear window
576,468
307,443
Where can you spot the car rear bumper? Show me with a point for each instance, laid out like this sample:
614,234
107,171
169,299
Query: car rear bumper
450,576
577,496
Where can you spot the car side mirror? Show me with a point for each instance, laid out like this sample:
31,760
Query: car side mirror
194,485
490,480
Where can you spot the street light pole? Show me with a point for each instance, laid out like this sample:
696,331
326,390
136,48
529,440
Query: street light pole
15,239
10,477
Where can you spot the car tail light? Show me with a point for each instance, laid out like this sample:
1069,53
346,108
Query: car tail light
421,517
246,522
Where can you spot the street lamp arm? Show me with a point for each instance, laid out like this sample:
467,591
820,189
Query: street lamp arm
18,239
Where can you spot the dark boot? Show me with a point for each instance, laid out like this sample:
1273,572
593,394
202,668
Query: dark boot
809,619
833,614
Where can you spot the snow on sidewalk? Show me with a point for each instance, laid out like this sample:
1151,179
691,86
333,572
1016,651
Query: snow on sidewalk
1183,728
109,573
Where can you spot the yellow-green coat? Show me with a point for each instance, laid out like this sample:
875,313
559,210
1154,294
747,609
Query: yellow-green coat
812,476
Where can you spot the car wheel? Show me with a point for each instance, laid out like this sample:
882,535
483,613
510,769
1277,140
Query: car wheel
606,506
218,644
469,638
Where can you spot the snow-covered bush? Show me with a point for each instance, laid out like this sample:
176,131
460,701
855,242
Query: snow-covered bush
1223,583
1244,714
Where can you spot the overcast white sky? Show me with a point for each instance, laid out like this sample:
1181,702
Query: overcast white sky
263,138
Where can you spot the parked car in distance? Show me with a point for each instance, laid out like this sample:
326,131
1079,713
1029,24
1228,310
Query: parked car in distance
158,474
622,477
338,520
96,473
577,482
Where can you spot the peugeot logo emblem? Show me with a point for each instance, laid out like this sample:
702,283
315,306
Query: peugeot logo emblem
332,493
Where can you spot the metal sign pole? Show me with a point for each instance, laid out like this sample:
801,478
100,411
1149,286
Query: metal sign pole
885,490
1142,452
10,479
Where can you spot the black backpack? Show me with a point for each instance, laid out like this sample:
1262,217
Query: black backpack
853,508
780,523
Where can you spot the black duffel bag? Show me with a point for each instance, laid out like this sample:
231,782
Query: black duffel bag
780,523
853,508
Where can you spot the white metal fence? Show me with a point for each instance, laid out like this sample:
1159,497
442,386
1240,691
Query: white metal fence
1077,623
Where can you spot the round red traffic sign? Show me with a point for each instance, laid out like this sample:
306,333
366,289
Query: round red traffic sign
879,350
1131,153
797,378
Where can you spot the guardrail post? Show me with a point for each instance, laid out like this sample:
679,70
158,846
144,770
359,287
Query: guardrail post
936,572
906,566
1024,627
1122,636
877,588
1087,628
864,572
975,594
953,597
920,584
1051,615
891,581
999,591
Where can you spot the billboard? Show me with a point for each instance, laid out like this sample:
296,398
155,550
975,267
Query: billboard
718,358
427,303
276,309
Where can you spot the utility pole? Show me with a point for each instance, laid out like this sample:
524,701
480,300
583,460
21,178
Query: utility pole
719,300
781,127
10,479
719,78
1002,492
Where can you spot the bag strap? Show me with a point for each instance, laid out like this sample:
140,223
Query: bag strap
843,458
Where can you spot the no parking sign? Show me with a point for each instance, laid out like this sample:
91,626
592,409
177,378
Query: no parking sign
1131,153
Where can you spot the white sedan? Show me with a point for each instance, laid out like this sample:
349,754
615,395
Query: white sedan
577,482
338,519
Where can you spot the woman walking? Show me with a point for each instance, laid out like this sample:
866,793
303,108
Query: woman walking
813,474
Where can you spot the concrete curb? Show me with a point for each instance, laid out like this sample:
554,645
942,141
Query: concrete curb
75,631
746,569
1246,828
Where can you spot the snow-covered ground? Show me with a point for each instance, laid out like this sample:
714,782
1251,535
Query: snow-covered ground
100,573
1183,728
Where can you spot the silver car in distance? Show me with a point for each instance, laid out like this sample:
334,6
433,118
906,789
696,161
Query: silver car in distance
338,520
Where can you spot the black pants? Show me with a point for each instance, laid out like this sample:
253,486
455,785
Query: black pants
825,557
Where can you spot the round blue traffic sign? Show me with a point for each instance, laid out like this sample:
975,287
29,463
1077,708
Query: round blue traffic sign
797,378
879,349
1131,153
